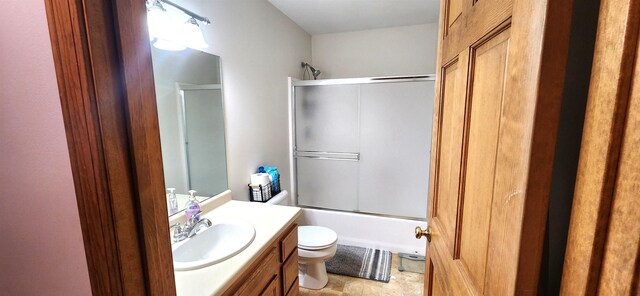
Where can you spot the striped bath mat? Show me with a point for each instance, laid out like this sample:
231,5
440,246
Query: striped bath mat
361,262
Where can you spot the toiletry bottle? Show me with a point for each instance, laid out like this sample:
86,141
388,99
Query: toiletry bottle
192,208
173,201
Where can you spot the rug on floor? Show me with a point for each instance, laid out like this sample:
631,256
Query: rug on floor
366,263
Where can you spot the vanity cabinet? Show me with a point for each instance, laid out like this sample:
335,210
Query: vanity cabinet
275,273
289,262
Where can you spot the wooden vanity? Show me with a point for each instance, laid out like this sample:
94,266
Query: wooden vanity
275,273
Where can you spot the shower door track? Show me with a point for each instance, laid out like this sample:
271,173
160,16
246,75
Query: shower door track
327,155
365,80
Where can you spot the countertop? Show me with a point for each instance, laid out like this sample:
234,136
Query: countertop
269,222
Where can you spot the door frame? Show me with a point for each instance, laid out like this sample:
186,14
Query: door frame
611,91
103,65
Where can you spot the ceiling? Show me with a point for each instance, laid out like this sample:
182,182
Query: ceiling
334,16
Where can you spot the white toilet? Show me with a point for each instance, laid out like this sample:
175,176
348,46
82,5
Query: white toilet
316,245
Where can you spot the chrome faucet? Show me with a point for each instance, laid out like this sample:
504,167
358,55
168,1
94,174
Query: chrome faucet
178,233
189,229
195,226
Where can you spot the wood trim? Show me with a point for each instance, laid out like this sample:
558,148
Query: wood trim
110,119
620,267
78,107
552,40
144,134
607,106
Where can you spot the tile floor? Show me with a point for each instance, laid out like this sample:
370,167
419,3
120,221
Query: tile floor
401,284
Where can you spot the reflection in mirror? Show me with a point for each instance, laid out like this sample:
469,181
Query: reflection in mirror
191,118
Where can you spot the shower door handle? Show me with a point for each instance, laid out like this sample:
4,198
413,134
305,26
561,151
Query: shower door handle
420,233
327,155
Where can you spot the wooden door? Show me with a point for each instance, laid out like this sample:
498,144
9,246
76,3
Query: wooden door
499,89
603,246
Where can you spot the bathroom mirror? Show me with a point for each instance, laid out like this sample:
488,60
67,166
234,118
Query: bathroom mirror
191,118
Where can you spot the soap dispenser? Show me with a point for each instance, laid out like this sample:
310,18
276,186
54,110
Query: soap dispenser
172,200
192,208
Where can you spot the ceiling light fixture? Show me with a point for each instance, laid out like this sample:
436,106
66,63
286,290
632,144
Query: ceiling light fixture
156,19
169,32
192,35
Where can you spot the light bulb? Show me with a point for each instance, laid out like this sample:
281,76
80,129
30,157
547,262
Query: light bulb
157,21
168,45
165,28
192,35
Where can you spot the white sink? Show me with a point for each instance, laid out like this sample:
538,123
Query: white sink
217,243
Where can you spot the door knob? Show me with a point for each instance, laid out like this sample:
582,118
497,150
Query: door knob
420,233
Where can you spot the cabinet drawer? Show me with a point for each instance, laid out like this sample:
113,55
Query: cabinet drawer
260,275
290,271
289,243
295,290
272,288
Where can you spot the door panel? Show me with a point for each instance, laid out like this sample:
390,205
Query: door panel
448,273
454,10
489,62
450,144
438,290
500,83
474,23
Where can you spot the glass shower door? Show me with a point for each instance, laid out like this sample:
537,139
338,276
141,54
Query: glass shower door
327,146
364,147
395,143
204,140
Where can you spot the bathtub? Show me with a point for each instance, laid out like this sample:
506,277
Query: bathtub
392,234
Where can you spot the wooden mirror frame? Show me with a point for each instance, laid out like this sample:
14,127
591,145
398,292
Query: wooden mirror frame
103,64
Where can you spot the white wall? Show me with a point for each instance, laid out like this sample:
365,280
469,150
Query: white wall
41,250
381,52
259,47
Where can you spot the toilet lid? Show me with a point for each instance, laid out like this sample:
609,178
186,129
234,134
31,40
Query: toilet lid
316,237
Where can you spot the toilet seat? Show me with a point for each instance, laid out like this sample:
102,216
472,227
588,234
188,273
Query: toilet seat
316,237
306,256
